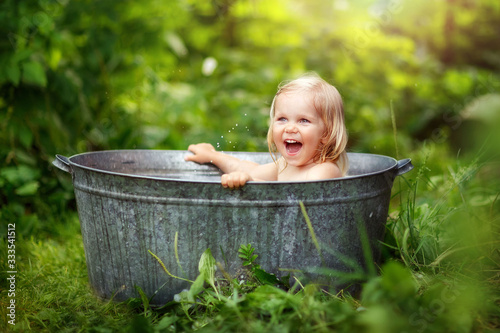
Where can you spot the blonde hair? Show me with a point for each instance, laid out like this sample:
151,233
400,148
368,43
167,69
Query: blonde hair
328,103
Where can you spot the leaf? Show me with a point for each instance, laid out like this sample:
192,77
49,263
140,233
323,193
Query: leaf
265,277
196,287
144,298
21,55
207,266
21,175
398,279
13,74
55,58
34,73
166,321
285,281
245,253
185,299
140,324
25,136
28,188
16,39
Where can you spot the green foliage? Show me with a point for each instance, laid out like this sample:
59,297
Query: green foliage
78,76
52,292
245,252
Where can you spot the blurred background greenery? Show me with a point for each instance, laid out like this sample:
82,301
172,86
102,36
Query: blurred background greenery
420,79
79,76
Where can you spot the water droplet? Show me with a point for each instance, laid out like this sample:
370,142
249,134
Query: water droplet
229,131
222,136
236,125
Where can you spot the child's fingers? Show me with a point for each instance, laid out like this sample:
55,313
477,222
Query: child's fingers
201,153
229,181
201,147
241,180
224,180
191,158
234,180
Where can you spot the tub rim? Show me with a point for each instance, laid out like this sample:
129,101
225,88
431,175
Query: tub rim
69,164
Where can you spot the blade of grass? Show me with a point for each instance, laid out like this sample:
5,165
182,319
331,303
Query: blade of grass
450,251
165,268
394,129
176,239
311,230
367,251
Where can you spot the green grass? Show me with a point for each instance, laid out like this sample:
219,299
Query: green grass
52,292
440,273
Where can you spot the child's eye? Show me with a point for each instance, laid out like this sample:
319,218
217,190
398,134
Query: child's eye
304,121
281,119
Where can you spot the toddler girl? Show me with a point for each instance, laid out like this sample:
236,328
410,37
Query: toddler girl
307,138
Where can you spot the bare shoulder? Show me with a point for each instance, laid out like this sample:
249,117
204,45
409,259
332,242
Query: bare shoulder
324,170
265,172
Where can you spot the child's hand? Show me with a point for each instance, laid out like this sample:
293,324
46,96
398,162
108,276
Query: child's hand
203,153
236,172
235,179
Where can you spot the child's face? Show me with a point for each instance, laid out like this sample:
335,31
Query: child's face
297,129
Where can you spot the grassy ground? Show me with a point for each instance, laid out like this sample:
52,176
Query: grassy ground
440,273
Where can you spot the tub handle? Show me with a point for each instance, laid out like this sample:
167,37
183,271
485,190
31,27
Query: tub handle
62,162
404,166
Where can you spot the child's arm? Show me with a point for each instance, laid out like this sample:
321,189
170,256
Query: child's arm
206,153
236,171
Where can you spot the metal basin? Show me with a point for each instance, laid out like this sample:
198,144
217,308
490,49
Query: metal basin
132,201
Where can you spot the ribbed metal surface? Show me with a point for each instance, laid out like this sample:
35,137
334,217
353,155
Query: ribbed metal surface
133,201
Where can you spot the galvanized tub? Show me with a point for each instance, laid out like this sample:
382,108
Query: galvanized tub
132,201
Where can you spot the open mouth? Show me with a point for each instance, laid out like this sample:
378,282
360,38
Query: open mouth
292,146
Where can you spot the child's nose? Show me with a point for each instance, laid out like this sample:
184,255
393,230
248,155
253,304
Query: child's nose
291,128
